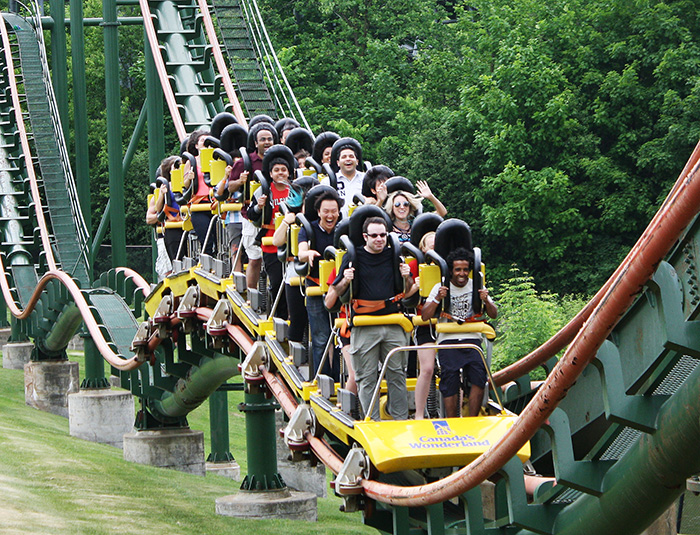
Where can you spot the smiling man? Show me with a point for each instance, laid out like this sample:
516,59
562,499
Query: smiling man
468,360
346,155
311,249
375,294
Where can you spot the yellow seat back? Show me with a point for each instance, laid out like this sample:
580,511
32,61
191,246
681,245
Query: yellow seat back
176,179
205,157
429,275
218,170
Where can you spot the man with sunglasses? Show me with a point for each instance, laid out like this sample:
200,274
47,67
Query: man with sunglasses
373,269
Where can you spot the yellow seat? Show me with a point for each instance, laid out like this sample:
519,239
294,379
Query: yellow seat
467,327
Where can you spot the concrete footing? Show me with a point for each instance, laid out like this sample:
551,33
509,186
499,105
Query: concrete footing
16,354
5,333
101,415
230,470
47,385
284,504
300,475
177,449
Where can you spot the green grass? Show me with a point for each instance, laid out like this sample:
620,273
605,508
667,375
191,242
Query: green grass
53,483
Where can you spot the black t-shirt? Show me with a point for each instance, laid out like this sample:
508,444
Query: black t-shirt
374,274
322,239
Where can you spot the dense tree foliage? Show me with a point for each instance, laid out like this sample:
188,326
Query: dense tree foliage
555,129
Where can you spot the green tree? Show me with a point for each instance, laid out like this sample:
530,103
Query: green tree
528,318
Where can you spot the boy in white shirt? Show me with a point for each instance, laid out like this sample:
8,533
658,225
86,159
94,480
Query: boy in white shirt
452,361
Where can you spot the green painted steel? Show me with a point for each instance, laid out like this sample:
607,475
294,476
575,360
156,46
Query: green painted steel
196,88
261,441
68,230
620,445
201,382
156,118
80,119
59,58
114,132
218,420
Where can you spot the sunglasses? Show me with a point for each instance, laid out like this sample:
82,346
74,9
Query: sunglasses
375,235
399,204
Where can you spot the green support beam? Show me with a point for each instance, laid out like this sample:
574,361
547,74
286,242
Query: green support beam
261,443
80,119
59,59
114,133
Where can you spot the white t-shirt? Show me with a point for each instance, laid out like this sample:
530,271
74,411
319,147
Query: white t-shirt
347,189
460,308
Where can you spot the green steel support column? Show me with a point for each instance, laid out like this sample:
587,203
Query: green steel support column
59,60
136,136
126,162
156,127
114,132
80,119
101,232
261,443
3,313
94,364
156,120
218,422
16,334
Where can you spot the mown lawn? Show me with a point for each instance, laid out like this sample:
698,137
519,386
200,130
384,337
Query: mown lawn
53,483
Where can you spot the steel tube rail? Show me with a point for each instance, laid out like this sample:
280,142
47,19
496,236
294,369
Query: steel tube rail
140,282
36,196
682,206
289,404
114,359
162,72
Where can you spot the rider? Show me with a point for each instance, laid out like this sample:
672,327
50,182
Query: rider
327,206
452,361
373,269
262,135
278,167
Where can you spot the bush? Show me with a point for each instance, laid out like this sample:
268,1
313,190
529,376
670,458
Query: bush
528,318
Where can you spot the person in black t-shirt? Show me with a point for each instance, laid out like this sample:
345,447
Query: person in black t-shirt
374,292
327,206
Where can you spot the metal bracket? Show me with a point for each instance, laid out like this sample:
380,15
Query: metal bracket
187,311
162,315
302,421
217,322
255,358
139,345
354,469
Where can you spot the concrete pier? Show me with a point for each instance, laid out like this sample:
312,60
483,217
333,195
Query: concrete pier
229,469
16,354
177,449
285,504
101,415
47,385
298,475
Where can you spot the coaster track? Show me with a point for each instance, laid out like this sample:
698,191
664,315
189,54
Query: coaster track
617,438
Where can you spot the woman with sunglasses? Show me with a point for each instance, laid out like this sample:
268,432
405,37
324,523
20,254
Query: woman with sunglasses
403,206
